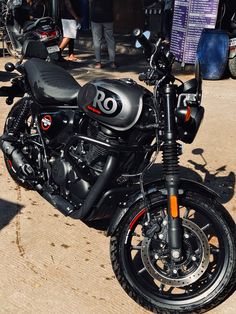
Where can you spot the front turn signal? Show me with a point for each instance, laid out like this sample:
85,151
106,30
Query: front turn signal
183,114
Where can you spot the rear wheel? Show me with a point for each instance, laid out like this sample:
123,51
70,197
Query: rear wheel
203,278
232,67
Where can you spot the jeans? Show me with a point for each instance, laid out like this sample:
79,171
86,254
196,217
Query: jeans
97,32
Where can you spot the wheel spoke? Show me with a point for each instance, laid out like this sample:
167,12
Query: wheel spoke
170,290
206,227
161,288
142,270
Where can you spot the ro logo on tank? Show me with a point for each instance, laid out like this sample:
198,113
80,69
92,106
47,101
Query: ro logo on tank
106,103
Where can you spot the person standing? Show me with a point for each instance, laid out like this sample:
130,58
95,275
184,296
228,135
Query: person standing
101,15
70,20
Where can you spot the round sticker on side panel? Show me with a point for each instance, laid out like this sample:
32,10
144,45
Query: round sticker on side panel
46,122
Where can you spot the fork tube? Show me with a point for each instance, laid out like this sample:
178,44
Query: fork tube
171,171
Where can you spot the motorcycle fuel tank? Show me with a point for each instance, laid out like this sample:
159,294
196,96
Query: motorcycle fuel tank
115,103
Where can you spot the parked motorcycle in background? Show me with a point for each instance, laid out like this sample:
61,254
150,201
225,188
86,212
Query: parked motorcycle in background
232,47
87,151
16,33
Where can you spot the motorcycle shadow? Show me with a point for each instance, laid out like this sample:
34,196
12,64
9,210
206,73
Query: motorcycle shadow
8,211
219,180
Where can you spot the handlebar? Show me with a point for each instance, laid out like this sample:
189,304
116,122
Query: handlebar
160,57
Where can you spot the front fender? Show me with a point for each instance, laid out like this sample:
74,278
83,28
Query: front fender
155,186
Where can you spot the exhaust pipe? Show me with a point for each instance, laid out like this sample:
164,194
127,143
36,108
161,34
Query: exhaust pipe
59,202
85,210
20,164
17,159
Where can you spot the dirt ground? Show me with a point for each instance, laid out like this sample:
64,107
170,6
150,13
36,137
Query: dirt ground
53,264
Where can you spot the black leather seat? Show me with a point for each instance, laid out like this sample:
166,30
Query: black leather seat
51,84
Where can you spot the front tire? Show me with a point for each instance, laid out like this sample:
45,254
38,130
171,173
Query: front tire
204,278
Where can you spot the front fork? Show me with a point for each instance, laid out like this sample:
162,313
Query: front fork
171,172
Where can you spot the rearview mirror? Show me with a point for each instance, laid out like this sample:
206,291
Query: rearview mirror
147,34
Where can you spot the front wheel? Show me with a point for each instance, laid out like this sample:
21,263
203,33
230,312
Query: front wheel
205,275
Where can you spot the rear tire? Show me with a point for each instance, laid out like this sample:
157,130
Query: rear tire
214,283
232,67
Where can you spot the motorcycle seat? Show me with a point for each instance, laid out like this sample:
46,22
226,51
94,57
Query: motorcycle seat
35,23
51,84
28,25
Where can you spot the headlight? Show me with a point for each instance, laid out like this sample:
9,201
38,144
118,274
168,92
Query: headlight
189,119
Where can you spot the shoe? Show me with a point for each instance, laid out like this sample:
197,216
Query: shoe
113,65
98,65
73,58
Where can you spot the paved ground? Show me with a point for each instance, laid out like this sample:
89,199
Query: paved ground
52,264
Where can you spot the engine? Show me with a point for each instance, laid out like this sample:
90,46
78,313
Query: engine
72,187
80,166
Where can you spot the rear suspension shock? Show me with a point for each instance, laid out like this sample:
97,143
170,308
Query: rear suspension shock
19,121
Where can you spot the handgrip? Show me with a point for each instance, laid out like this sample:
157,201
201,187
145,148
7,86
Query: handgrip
142,76
144,42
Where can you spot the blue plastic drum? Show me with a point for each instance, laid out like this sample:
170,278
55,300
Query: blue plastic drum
212,53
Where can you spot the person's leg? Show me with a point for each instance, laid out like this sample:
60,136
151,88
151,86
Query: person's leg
71,47
108,34
69,32
65,41
97,39
71,55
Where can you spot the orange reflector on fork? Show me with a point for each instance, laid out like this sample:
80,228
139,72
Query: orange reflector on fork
174,210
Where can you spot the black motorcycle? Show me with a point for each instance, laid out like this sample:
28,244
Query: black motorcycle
17,29
90,151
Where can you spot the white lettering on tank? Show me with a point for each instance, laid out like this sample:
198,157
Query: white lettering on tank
106,105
